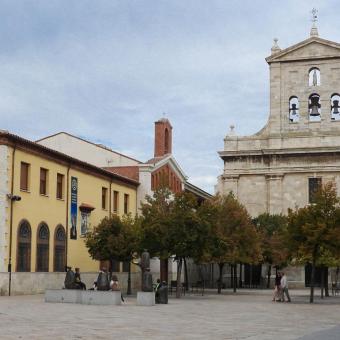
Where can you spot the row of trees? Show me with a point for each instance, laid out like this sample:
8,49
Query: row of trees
221,231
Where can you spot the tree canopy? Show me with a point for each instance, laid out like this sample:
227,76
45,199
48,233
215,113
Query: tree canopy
114,238
171,227
313,233
272,231
232,236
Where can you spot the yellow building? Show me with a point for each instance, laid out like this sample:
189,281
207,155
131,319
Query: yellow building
48,200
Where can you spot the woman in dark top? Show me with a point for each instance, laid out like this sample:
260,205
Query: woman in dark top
77,280
277,288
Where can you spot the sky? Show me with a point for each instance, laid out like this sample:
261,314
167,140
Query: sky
107,70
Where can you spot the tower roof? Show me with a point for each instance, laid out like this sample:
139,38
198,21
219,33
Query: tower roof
164,121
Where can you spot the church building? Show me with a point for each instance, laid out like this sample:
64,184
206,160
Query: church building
282,165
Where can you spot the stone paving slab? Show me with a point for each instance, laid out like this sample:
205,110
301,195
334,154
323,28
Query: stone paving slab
328,334
245,315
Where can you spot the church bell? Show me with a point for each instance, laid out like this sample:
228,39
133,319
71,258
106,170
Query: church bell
293,110
335,107
314,106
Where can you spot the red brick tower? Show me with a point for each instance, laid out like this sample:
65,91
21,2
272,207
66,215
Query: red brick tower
163,137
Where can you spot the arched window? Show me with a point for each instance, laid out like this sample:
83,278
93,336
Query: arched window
314,107
335,108
314,78
24,247
43,238
59,249
166,141
294,109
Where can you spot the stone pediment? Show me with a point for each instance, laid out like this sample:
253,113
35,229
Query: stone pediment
312,48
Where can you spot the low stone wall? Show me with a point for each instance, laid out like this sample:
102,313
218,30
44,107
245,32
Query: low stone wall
37,283
85,297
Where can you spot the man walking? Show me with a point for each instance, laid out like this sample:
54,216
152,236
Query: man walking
284,287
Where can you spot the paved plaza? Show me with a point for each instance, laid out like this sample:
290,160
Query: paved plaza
249,314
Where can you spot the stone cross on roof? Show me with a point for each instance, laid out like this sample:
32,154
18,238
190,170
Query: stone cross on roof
314,30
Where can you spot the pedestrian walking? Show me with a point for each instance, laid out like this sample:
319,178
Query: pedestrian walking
277,288
284,288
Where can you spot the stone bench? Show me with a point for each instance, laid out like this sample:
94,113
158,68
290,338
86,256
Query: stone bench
86,297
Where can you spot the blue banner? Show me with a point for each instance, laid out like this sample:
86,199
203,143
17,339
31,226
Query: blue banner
74,207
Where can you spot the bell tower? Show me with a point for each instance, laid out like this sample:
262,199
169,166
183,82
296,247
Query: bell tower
163,137
304,93
278,167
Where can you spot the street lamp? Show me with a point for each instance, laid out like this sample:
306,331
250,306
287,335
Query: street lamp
12,198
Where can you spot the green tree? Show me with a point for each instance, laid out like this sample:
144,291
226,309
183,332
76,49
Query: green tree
232,236
155,223
170,227
313,232
271,229
187,235
114,239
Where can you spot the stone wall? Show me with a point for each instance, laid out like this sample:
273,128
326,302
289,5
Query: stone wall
4,190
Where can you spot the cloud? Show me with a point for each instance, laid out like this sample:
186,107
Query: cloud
107,70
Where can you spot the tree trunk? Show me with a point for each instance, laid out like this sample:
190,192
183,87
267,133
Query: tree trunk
129,280
240,278
322,281
235,277
212,275
232,276
326,282
268,275
219,285
186,282
179,271
111,267
311,298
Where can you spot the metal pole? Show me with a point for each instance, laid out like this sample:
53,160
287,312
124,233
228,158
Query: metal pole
129,281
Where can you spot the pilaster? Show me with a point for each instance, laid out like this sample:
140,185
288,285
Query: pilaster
274,193
230,184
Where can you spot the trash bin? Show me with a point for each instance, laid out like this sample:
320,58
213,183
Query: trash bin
162,294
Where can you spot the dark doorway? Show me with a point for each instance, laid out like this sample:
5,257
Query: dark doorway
252,276
308,276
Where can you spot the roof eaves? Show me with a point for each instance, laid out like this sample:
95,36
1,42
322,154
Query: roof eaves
272,58
65,157
89,142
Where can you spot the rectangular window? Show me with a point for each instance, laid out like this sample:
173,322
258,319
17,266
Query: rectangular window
43,181
60,186
115,202
314,184
104,198
126,203
24,176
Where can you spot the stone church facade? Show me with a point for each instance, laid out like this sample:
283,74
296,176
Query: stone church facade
282,165
299,148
